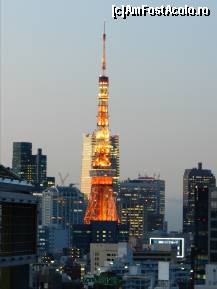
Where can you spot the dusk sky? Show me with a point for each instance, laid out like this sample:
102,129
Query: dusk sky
163,84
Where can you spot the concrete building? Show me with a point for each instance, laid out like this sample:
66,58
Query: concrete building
52,239
211,277
63,205
100,254
18,222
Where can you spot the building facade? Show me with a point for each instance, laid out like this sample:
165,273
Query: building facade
87,153
18,222
141,204
29,167
100,253
198,184
63,206
22,160
193,178
212,223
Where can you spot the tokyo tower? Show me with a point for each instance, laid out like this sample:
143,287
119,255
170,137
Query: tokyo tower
101,203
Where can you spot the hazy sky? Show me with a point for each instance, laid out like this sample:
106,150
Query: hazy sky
163,83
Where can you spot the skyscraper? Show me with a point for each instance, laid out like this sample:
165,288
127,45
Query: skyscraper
141,204
88,156
115,162
22,160
193,178
212,246
62,206
197,185
32,168
39,172
102,204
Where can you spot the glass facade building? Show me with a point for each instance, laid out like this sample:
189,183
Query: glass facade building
63,206
141,204
18,234
32,168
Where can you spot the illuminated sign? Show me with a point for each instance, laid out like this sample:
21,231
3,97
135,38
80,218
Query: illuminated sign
177,243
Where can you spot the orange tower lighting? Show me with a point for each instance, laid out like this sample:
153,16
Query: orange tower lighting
101,203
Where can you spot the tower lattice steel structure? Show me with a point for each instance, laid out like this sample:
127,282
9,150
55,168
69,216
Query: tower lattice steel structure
102,204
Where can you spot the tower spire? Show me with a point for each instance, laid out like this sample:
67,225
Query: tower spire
103,53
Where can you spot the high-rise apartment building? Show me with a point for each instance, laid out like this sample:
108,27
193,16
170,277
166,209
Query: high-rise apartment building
193,178
141,204
87,158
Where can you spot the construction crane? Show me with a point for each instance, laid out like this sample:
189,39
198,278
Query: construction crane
63,179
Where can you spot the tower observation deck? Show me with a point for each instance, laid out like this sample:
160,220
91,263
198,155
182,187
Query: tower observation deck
101,203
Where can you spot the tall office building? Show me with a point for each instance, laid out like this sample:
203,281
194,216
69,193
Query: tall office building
22,160
141,204
32,168
193,178
212,224
115,162
63,206
39,173
199,248
197,185
18,235
88,156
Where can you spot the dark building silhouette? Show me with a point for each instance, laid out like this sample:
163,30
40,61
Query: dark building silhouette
39,172
22,160
199,248
18,223
197,185
192,178
98,232
212,222
29,167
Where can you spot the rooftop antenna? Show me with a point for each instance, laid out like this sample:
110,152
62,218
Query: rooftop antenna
103,53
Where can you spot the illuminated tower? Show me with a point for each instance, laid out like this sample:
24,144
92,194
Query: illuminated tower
87,158
101,204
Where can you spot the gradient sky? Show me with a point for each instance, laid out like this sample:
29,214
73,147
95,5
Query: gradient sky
163,83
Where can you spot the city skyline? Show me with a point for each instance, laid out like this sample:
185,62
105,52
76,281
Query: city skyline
143,113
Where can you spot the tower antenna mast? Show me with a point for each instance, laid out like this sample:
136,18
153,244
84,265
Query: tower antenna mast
103,53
